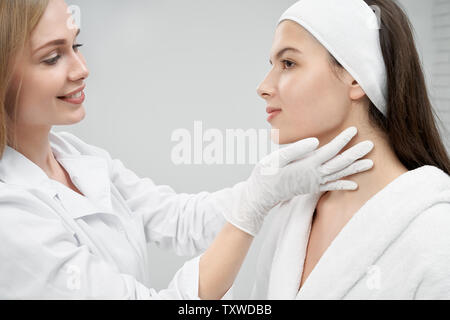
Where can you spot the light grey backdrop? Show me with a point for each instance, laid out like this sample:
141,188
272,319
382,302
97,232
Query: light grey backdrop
157,66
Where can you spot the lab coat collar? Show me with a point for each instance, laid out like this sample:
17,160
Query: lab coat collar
89,173
16,169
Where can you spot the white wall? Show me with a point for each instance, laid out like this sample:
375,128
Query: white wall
160,65
441,61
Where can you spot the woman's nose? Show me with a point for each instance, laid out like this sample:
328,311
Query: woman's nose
264,91
79,69
266,88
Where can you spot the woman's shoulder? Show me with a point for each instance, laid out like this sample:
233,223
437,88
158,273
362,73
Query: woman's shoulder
436,215
430,231
425,181
435,218
427,190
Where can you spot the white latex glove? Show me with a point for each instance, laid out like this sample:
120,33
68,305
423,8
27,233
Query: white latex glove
295,170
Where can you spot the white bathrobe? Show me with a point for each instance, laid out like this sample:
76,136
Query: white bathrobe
396,246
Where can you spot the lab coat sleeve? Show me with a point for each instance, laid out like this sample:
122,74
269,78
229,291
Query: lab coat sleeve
186,223
41,259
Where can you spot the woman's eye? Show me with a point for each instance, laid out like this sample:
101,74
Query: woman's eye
53,60
76,46
287,64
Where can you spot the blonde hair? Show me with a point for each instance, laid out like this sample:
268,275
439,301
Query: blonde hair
18,18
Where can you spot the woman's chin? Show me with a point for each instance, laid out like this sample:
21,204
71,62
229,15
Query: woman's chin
74,117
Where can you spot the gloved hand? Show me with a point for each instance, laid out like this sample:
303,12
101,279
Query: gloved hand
295,170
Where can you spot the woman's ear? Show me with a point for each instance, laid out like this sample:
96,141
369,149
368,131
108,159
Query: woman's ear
354,89
356,92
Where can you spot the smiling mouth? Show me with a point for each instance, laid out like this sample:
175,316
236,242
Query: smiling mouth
74,96
75,99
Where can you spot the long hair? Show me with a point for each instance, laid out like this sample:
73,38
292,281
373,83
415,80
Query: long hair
18,18
410,119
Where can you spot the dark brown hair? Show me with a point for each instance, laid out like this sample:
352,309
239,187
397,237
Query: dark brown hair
410,119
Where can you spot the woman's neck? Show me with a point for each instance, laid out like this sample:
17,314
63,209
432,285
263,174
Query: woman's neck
386,169
34,144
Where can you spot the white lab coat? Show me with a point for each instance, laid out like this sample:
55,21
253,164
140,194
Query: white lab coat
396,246
57,244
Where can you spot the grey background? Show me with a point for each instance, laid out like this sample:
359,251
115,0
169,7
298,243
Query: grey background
157,66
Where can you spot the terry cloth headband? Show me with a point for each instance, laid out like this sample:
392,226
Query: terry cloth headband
349,30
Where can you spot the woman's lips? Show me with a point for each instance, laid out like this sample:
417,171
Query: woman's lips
74,97
77,99
273,112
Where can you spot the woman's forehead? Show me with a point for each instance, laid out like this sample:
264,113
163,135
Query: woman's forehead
54,24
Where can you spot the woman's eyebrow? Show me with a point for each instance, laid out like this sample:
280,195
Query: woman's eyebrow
57,42
282,51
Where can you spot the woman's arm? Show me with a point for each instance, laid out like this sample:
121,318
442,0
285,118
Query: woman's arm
220,264
189,223
42,259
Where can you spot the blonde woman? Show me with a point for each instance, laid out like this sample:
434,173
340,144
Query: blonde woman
75,224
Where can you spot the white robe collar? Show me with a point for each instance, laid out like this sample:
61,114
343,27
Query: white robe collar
89,173
362,240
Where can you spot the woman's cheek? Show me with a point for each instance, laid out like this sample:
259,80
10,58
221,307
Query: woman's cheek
302,98
36,96
51,88
312,106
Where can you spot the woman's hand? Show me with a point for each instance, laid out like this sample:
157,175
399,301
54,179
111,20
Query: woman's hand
295,170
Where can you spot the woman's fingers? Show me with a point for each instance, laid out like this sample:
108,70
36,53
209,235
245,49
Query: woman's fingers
354,168
291,153
339,185
331,149
297,150
346,158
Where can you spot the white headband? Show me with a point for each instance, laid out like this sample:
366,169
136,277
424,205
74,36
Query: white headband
349,30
